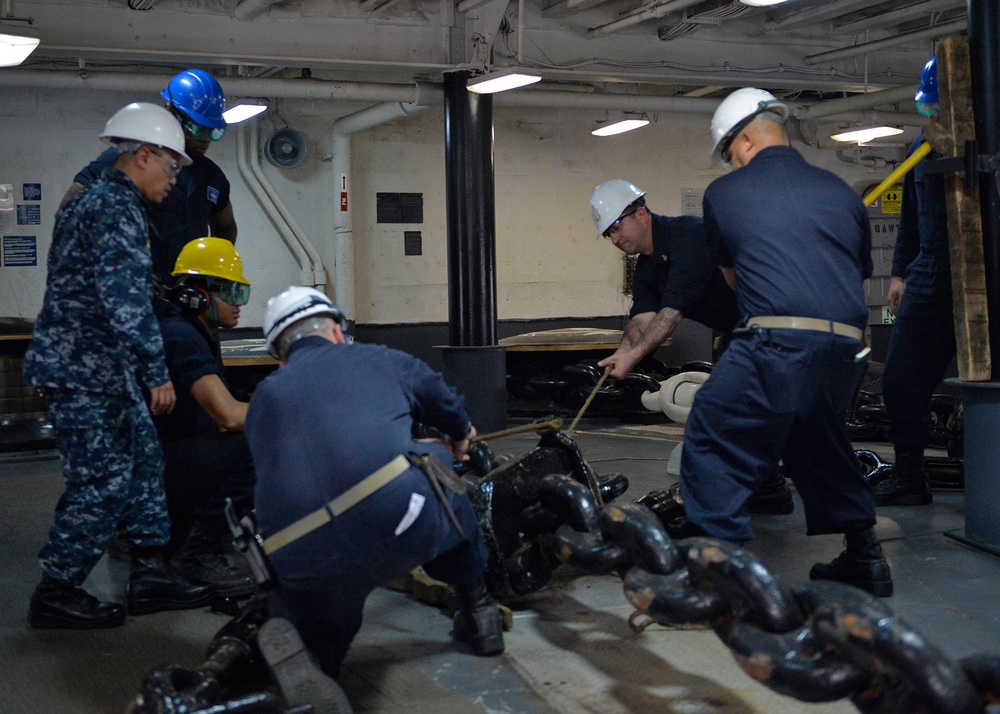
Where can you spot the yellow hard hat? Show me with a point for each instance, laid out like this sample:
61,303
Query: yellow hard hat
211,257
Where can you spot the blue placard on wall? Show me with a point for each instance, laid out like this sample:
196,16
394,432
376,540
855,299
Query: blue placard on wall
29,215
32,191
20,251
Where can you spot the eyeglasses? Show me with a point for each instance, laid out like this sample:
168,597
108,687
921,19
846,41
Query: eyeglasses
617,225
230,292
169,165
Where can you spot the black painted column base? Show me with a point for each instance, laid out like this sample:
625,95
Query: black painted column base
480,375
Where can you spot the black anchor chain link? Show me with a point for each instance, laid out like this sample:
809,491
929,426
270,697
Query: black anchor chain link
819,642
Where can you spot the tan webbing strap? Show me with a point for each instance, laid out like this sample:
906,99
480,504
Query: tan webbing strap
351,497
814,324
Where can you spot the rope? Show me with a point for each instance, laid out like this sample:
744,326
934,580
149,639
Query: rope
579,414
539,426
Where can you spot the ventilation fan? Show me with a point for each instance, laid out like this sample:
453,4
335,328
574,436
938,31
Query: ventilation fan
286,149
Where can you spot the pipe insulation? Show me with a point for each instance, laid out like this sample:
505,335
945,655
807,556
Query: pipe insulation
426,94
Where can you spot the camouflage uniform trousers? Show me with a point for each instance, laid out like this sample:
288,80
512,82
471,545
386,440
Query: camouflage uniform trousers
113,468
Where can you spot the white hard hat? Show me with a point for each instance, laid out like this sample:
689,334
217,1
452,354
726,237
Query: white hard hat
735,112
609,200
676,395
148,124
291,305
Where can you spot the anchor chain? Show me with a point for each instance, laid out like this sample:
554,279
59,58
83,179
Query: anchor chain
819,642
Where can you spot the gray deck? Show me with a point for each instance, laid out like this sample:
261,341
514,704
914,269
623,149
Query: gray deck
570,649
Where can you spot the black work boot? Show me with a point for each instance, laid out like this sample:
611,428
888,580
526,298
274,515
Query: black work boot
773,497
907,483
201,561
59,605
301,680
153,587
862,565
478,622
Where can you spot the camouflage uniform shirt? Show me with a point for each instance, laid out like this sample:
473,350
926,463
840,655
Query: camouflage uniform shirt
96,331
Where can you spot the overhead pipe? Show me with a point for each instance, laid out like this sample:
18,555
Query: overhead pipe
652,11
562,6
233,86
947,28
858,102
318,272
343,238
244,150
413,93
370,5
817,14
896,17
249,9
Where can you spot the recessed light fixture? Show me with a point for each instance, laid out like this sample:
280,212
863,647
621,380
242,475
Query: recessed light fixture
628,122
18,39
502,80
865,135
242,112
762,3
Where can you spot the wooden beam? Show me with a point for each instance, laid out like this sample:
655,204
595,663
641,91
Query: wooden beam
965,229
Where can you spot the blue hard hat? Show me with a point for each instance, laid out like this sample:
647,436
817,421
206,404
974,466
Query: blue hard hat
198,95
928,92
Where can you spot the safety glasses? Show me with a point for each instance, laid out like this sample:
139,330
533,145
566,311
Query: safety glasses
169,165
198,132
616,226
230,292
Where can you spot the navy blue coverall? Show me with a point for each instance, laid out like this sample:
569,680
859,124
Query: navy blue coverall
201,191
682,274
922,344
332,415
204,466
799,242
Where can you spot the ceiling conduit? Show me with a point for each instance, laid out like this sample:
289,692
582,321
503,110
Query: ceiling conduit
249,9
310,266
818,13
858,102
943,30
647,12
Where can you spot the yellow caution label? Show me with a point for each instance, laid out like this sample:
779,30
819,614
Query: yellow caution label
892,200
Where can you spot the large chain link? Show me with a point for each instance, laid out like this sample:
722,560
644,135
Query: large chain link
819,642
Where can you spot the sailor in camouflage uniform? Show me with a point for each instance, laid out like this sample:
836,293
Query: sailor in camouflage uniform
95,346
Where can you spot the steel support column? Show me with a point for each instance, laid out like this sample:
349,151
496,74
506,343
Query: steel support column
984,55
982,399
473,363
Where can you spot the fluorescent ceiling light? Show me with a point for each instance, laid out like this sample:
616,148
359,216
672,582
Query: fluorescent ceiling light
762,3
502,80
242,112
864,135
16,43
620,126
